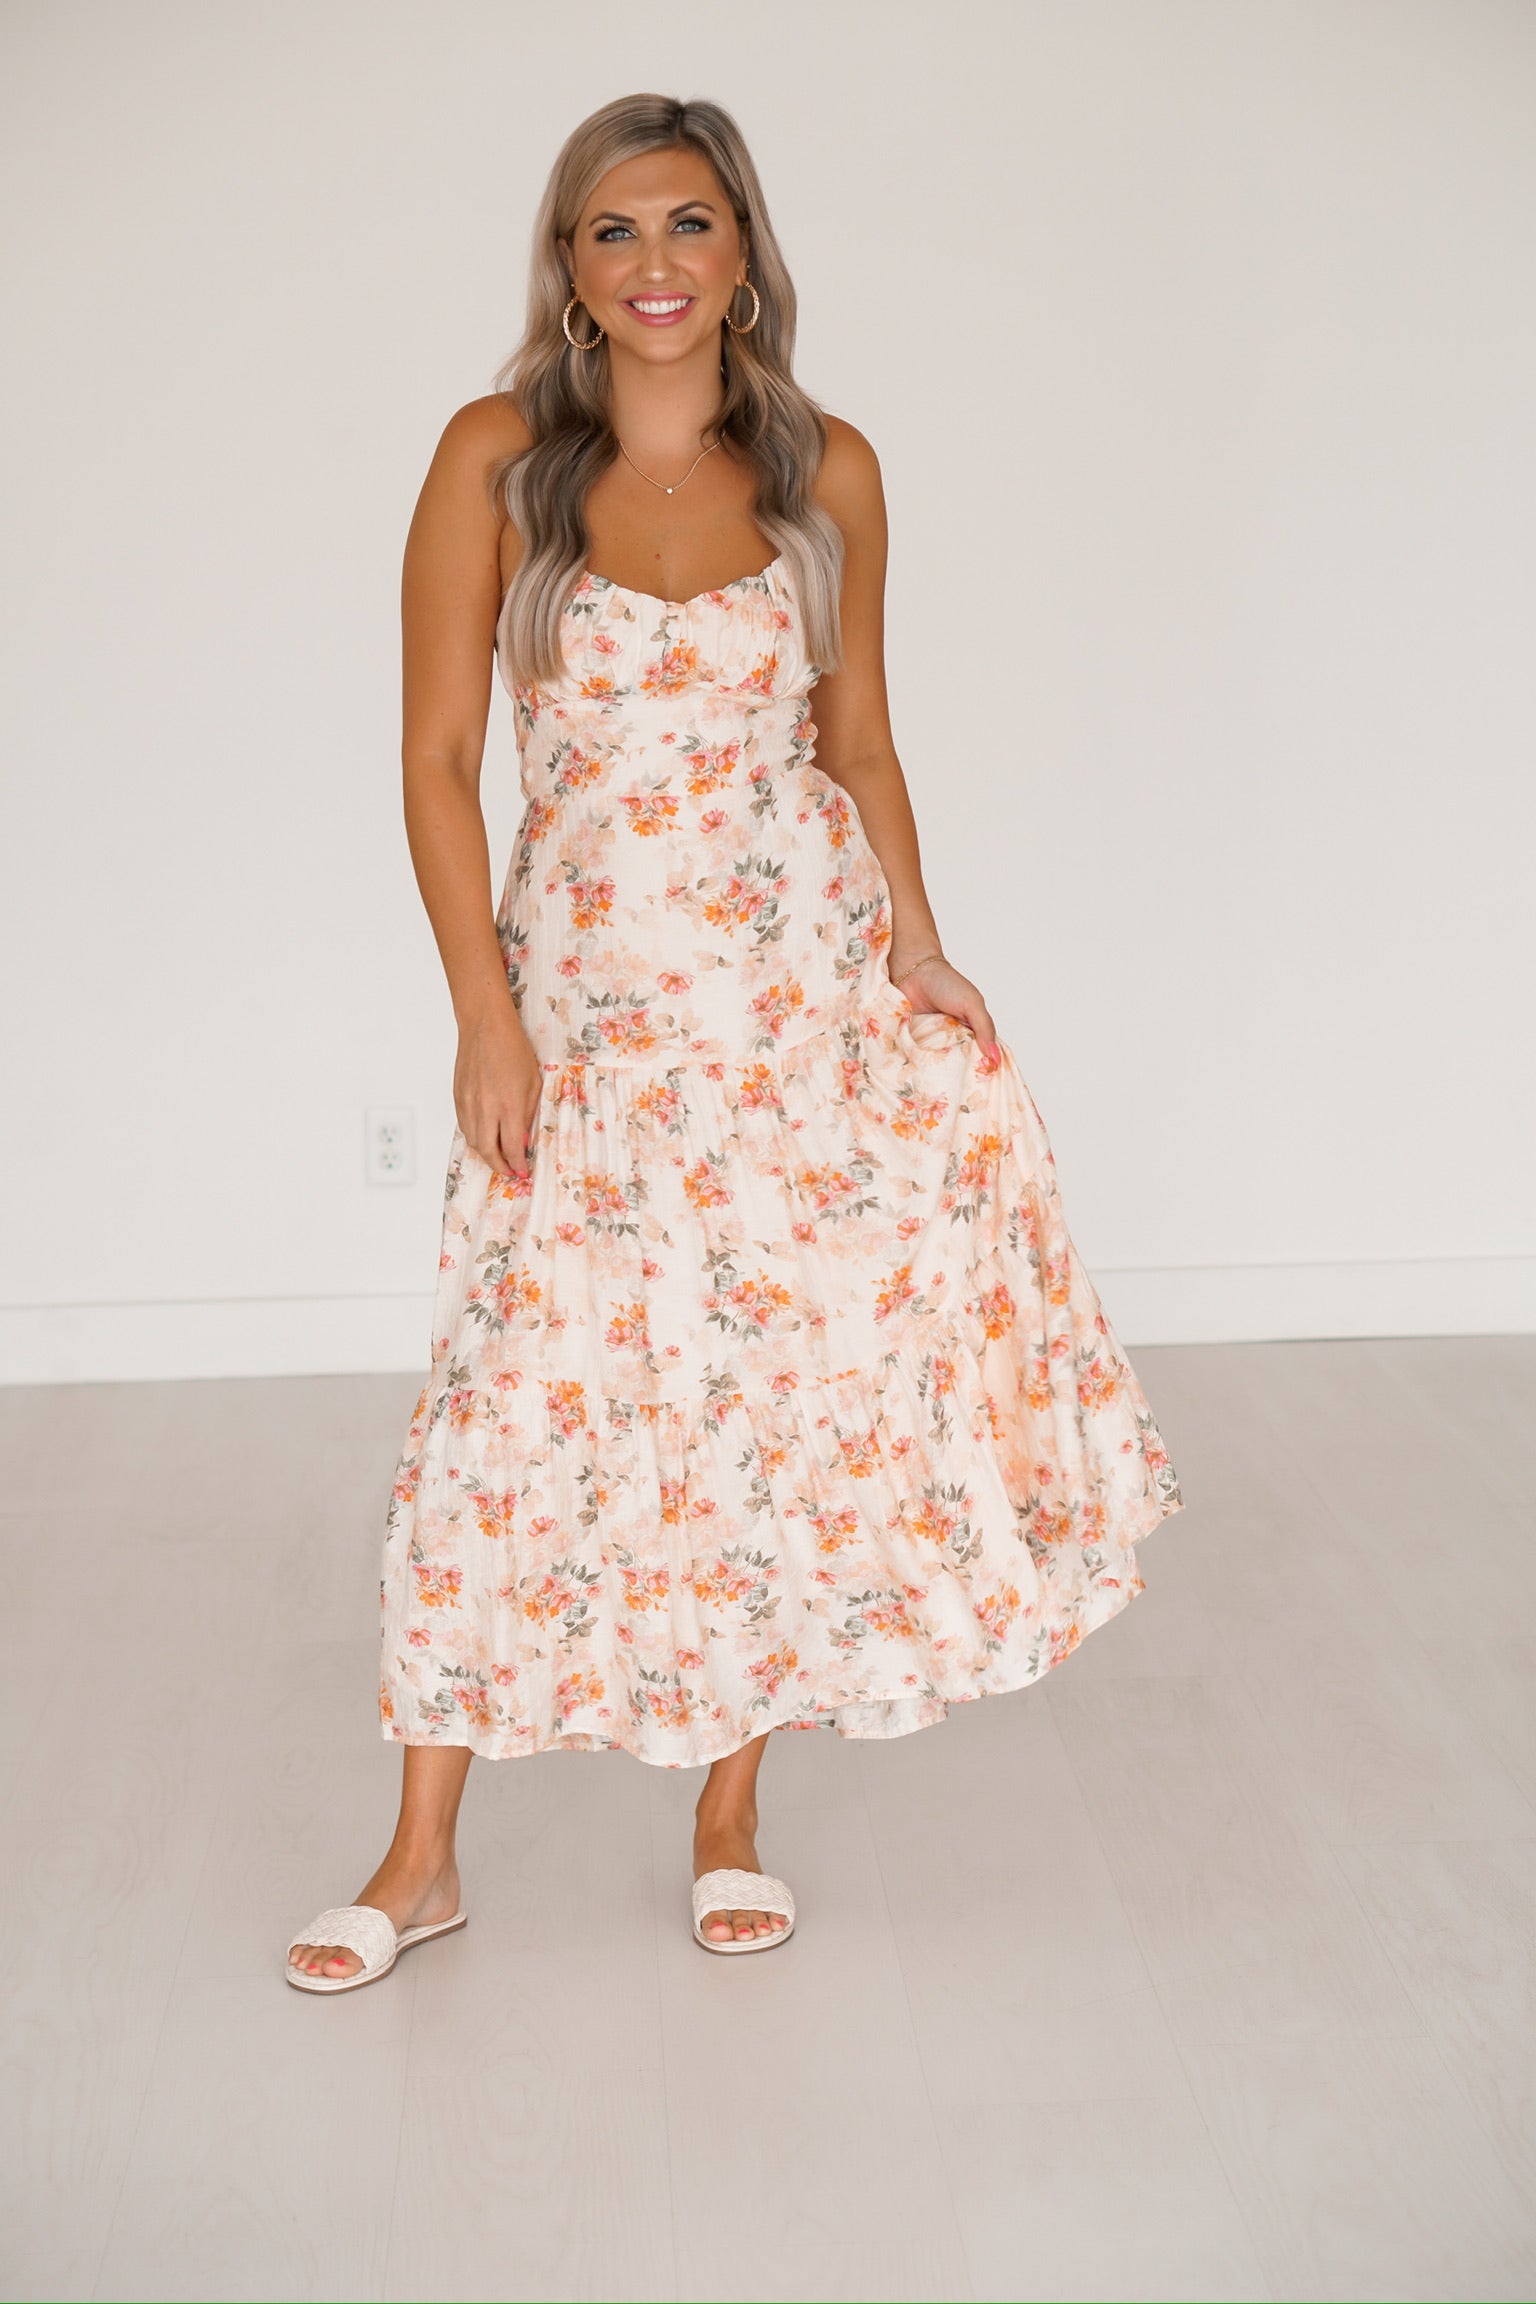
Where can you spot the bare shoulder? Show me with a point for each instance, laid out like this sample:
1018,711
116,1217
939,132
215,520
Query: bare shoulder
848,484
481,435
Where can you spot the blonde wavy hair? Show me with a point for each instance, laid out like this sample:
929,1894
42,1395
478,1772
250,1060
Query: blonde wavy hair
563,395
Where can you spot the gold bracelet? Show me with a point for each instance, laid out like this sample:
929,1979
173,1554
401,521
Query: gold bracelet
912,971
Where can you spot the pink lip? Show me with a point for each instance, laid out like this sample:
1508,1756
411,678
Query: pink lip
662,319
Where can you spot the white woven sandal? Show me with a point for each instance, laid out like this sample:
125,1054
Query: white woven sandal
364,1929
729,1891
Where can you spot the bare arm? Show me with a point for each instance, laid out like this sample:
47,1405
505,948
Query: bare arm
450,596
853,724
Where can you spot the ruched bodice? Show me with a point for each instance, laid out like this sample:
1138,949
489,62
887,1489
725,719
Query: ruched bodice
687,884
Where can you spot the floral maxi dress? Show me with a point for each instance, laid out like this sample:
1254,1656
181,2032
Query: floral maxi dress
773,1394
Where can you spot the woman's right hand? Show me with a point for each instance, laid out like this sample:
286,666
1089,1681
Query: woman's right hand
497,1080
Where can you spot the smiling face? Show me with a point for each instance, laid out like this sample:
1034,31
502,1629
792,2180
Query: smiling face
657,254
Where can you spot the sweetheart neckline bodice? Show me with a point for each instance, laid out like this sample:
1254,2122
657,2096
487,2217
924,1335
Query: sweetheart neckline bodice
659,600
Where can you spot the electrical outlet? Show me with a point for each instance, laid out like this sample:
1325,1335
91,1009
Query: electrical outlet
390,1144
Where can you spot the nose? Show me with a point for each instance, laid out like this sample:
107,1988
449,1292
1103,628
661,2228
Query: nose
655,257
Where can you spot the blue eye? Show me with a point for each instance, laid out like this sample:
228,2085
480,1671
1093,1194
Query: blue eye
618,231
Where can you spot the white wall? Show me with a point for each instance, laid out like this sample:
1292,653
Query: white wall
1198,345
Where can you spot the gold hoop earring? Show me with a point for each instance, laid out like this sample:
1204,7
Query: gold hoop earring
757,306
575,342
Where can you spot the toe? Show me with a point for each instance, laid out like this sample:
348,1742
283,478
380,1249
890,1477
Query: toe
333,1960
719,1925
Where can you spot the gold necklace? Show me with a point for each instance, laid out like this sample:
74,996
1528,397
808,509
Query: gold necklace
687,476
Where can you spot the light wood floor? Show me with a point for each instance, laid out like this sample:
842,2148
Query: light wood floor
1207,1968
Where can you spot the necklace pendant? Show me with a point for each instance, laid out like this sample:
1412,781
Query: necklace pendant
669,491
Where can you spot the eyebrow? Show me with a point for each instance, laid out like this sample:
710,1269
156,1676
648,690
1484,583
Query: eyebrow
613,215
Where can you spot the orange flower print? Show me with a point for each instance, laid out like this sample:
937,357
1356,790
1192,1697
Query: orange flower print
897,1293
971,1173
830,1188
737,1578
629,1034
438,1587
938,1517
474,1702
648,812
493,1510
759,1089
917,1115
591,901
996,1310
560,1596
602,1197
710,766
507,1297
752,1304
836,817
575,770
627,1330
705,1184
669,1708
673,671
860,1452
1098,1384
998,1610
771,1671
578,1692
566,1403
779,1003
660,1100
835,1530
737,904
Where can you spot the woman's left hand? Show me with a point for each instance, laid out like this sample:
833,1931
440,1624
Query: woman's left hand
935,988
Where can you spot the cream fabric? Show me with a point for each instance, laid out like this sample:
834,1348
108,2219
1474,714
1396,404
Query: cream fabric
775,1394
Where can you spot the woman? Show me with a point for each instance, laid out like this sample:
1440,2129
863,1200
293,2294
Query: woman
766,1389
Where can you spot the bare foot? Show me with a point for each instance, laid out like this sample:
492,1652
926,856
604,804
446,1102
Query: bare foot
726,1836
414,1891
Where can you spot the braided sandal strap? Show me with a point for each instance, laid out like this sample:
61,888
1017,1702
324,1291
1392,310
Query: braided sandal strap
362,1928
732,1891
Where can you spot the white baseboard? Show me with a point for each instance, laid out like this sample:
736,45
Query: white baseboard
224,1336
1264,1303
361,1335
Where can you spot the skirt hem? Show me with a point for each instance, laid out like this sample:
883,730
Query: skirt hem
1108,1601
